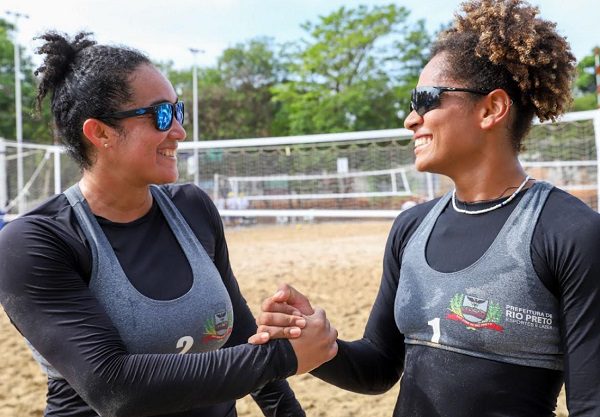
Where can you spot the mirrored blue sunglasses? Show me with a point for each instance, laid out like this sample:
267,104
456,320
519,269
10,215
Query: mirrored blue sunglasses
163,114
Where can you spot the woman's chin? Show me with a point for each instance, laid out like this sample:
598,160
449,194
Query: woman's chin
167,179
422,165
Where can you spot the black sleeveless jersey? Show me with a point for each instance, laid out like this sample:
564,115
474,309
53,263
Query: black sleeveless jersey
565,253
44,274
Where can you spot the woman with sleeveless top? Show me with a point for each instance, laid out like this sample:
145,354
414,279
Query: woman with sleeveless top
490,295
122,285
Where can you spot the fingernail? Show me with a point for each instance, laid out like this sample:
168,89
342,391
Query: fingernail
301,323
295,332
278,294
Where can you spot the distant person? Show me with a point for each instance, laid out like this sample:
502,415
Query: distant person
408,204
490,295
123,288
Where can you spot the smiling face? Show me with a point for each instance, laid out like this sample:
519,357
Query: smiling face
448,138
144,155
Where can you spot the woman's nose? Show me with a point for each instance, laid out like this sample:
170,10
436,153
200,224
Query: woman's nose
177,131
412,120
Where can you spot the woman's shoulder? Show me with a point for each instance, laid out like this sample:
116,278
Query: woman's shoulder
195,204
53,214
50,227
412,217
566,212
407,222
186,193
568,226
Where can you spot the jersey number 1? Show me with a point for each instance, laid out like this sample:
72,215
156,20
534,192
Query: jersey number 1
435,323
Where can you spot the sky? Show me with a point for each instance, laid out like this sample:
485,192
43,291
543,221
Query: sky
166,30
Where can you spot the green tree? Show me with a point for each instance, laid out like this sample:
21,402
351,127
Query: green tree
249,71
7,82
584,89
36,128
412,55
347,76
234,98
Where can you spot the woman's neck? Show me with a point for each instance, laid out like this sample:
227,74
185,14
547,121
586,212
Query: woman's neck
116,201
489,183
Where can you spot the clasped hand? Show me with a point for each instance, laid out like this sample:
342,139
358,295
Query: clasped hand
289,315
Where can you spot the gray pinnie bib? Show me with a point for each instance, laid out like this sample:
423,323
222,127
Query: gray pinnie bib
201,320
497,308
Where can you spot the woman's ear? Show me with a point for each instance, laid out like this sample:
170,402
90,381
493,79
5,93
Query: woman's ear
97,133
496,109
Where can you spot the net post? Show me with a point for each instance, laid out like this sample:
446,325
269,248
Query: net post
405,182
597,138
430,190
597,71
216,187
3,176
57,170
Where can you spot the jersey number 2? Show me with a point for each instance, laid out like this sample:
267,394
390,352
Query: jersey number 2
185,343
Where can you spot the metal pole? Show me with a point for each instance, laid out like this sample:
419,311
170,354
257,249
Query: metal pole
3,183
195,95
597,68
216,187
195,52
597,138
19,121
597,124
57,173
18,113
430,188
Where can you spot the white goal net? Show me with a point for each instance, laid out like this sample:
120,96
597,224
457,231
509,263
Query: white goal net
355,174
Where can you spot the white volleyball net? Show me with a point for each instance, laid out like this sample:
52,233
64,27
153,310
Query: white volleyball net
355,174
369,174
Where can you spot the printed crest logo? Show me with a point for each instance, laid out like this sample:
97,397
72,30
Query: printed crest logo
474,309
475,313
219,325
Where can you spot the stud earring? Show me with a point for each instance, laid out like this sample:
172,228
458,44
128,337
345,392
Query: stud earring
106,145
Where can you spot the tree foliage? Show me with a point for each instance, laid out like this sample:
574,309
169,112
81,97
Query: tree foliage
234,99
35,127
585,85
353,70
348,74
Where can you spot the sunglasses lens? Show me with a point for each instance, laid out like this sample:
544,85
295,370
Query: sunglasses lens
424,99
164,116
179,112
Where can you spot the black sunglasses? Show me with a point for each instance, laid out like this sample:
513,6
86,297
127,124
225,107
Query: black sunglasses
163,114
424,99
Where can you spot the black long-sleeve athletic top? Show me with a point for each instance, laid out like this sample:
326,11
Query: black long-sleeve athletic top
44,275
565,252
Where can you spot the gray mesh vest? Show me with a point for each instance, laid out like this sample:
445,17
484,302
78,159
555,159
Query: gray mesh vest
497,308
200,320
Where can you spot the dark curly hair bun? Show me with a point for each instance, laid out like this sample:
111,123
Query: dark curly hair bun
60,53
86,80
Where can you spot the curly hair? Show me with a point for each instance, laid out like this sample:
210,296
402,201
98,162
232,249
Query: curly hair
86,80
503,44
